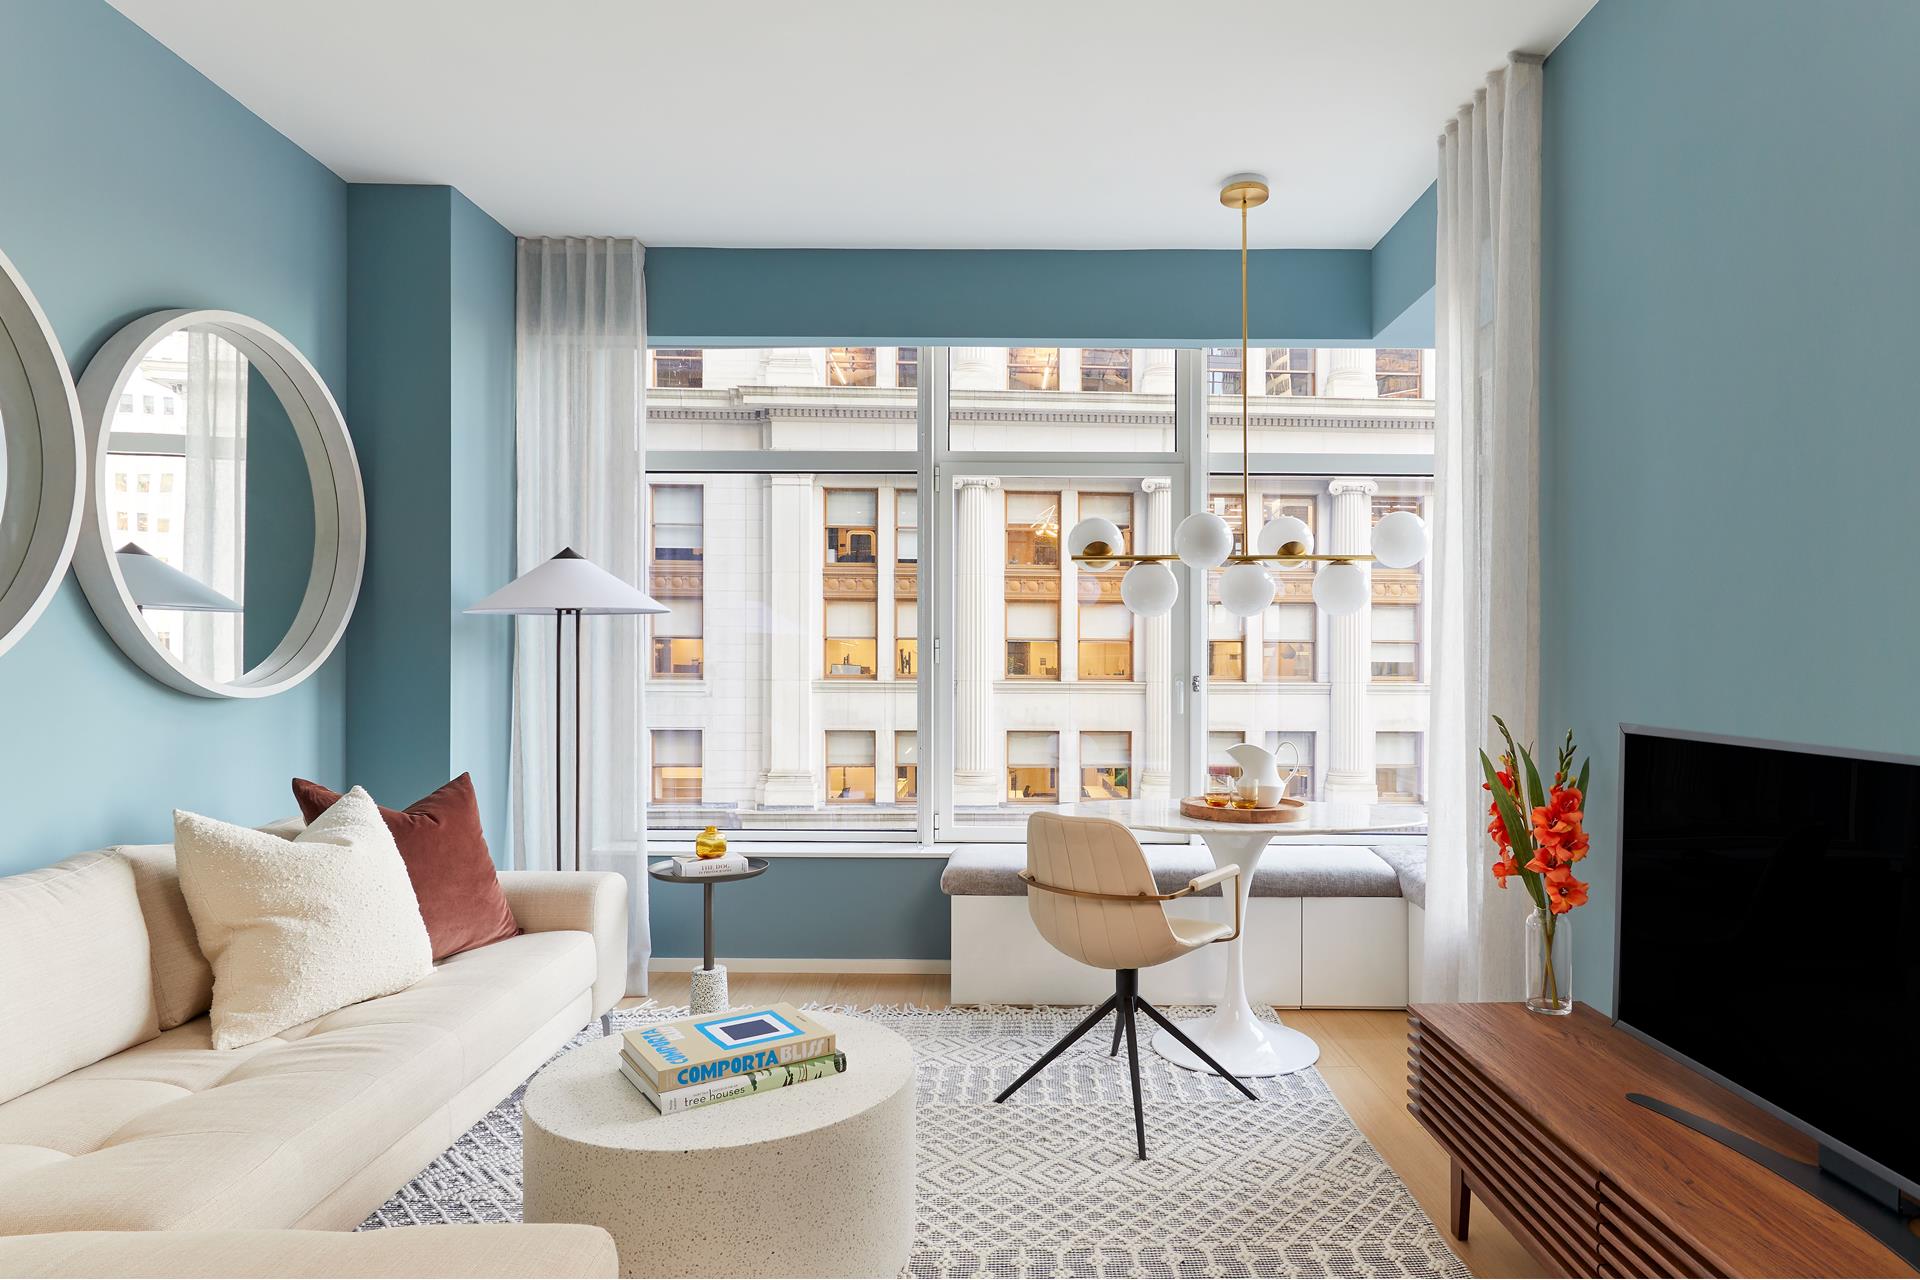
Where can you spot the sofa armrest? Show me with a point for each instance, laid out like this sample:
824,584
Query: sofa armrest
497,1250
593,902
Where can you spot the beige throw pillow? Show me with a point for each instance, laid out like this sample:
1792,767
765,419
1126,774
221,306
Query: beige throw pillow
298,928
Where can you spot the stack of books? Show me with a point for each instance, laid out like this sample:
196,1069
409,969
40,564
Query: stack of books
714,1057
726,864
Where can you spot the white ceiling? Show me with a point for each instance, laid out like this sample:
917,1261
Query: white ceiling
874,123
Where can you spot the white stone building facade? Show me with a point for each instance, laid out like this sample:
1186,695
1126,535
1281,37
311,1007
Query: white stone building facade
783,688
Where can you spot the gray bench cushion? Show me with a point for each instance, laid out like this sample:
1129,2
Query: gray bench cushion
1287,871
1409,862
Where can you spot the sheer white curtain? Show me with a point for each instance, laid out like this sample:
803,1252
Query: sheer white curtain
214,518
1486,564
582,341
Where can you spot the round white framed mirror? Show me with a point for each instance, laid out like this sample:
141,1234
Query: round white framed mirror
40,459
224,537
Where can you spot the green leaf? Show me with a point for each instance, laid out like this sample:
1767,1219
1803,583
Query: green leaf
1584,764
1518,832
1536,797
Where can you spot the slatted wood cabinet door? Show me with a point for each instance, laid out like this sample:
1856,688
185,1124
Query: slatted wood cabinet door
1533,1112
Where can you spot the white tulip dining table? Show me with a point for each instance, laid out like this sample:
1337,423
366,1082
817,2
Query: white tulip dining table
1239,1041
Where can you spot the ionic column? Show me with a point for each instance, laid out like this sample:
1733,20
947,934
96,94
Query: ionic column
1155,635
1350,774
979,368
1350,374
1153,371
793,648
979,584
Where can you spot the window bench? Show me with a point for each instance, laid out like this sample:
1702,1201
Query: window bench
1329,926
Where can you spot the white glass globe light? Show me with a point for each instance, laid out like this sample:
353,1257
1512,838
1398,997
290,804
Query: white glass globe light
1246,589
1149,589
1400,540
1089,531
1340,589
1203,541
1280,531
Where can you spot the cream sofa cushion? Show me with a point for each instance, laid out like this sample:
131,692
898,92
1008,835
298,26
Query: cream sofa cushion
75,983
175,1134
182,978
294,929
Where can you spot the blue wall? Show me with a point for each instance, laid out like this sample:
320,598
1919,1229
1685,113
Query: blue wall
802,908
748,297
107,220
1730,440
431,372
1401,268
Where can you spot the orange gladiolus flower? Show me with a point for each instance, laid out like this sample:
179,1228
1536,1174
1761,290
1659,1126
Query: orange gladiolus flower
1503,869
1564,893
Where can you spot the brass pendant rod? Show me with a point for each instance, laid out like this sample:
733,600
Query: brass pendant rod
1246,464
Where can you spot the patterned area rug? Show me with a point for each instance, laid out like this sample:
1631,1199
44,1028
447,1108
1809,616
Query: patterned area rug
1047,1185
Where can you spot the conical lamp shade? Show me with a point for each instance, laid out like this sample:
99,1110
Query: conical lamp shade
155,584
568,581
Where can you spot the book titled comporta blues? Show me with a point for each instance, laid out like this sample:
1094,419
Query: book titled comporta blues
696,1051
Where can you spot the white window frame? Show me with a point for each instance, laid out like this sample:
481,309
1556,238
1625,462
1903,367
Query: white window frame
1189,467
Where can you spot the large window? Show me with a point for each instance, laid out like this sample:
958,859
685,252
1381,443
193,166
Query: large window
1033,586
1033,369
801,676
1397,767
1033,768
678,580
1396,373
852,367
676,766
1289,371
1223,370
1106,369
1293,755
1303,653
906,767
1396,641
1106,766
678,367
1226,644
850,767
1289,640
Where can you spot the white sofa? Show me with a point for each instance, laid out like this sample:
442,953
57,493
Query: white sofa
116,1114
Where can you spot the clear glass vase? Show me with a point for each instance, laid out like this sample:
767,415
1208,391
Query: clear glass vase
1549,963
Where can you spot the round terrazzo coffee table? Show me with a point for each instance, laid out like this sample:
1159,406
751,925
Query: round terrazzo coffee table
812,1180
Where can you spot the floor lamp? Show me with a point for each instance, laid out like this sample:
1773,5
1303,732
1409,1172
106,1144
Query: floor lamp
567,584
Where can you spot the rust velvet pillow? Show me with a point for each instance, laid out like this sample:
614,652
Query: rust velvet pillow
446,855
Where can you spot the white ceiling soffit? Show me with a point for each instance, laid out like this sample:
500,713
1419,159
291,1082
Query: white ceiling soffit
991,124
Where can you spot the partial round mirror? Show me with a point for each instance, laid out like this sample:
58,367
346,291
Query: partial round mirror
40,459
225,521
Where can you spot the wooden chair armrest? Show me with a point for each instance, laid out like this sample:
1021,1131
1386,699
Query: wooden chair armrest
1219,874
1200,884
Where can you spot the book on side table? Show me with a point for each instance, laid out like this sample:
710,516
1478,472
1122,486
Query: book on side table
691,1062
727,864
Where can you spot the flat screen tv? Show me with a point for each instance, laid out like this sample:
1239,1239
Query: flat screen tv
1769,931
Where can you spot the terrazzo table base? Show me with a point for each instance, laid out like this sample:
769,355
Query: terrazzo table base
811,1180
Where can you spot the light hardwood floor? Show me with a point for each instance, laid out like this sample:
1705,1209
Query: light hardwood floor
1363,1058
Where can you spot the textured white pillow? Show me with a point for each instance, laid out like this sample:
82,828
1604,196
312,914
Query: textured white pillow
298,928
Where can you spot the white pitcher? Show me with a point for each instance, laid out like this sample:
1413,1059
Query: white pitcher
1259,776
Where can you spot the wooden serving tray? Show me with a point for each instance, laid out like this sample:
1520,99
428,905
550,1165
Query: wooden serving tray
1289,810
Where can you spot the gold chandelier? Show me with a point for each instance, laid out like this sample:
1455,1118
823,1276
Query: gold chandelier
1204,541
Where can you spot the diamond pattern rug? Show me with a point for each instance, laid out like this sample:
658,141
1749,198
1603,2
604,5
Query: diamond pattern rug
1047,1185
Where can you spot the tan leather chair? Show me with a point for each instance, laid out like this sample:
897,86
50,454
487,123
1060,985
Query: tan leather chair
1092,895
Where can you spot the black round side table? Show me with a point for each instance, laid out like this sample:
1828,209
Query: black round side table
709,987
